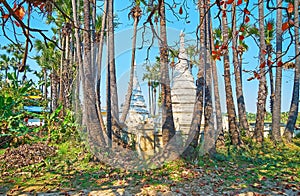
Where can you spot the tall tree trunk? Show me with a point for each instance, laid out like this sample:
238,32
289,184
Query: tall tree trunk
99,63
108,103
293,113
61,85
136,16
276,111
237,72
271,76
112,68
194,132
93,129
168,128
54,97
209,130
233,128
45,85
67,66
154,102
80,78
262,89
149,95
93,34
219,135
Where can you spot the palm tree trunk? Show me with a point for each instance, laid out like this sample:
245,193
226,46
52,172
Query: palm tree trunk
209,130
293,113
271,77
233,128
153,99
108,103
66,68
237,72
132,68
54,89
276,111
194,132
93,129
112,68
45,85
99,58
168,128
154,102
262,92
6,73
219,135
61,86
93,34
80,78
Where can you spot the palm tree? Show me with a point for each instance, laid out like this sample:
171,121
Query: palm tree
209,146
135,13
237,72
79,60
262,92
293,113
168,128
112,94
233,128
93,128
100,37
276,111
48,59
219,135
194,132
152,76
15,57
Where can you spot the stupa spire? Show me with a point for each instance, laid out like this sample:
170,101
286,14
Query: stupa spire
136,83
183,64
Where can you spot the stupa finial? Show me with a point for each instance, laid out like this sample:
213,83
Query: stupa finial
182,49
182,53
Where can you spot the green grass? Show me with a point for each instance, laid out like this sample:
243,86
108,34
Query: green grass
72,167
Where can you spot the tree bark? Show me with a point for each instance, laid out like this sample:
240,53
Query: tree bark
54,97
209,146
293,113
219,135
93,129
112,68
238,82
80,79
262,89
61,86
136,16
194,133
276,111
233,128
45,85
168,128
99,68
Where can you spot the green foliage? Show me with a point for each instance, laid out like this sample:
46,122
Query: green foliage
13,98
59,128
268,118
253,169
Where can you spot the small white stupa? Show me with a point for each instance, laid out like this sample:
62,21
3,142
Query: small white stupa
138,109
183,92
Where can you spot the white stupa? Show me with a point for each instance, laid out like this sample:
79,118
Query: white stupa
183,91
138,111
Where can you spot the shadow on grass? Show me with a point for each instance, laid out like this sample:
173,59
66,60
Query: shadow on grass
257,170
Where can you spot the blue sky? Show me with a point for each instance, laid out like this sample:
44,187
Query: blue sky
174,26
123,53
